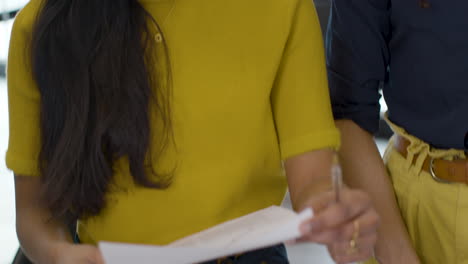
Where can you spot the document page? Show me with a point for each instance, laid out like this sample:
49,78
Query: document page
263,228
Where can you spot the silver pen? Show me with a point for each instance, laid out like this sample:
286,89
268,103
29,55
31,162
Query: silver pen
337,177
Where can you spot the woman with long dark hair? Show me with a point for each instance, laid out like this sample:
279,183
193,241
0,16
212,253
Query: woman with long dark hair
146,121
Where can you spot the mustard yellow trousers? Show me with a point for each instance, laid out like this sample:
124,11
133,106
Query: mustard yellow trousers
435,214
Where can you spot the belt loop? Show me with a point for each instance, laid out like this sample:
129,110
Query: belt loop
409,160
416,149
400,132
423,153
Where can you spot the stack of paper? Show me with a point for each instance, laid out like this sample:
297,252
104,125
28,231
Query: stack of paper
263,228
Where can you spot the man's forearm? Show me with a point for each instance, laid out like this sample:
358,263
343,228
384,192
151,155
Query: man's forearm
364,169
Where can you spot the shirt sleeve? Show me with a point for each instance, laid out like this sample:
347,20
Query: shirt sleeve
23,101
357,59
300,97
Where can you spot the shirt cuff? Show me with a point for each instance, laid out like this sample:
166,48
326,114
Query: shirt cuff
320,140
21,166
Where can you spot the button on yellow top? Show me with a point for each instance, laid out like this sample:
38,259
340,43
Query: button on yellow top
158,37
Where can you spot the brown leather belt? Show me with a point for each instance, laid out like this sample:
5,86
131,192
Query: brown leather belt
455,171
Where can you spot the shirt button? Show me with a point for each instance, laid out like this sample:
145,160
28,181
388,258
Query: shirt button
158,37
424,4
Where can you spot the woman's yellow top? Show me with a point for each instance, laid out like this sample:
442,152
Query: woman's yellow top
249,90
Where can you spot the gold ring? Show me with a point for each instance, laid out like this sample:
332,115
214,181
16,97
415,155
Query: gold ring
352,246
353,242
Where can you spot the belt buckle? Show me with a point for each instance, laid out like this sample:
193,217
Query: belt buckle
433,174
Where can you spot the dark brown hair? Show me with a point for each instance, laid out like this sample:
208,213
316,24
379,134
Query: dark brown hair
93,63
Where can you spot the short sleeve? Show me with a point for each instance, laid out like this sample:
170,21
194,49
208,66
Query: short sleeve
23,101
300,97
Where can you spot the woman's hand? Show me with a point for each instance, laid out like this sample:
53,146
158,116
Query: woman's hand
66,253
348,228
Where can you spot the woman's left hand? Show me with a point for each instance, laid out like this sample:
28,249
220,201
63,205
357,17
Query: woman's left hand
348,227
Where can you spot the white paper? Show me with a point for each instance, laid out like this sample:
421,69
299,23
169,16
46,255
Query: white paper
260,229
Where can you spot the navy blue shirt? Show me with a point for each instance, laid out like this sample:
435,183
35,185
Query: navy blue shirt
418,49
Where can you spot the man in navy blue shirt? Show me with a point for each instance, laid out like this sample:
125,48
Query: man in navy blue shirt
417,52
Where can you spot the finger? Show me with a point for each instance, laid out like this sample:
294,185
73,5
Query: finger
325,237
362,243
332,217
344,254
339,213
368,224
328,236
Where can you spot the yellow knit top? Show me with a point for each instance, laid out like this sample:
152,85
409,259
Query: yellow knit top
249,90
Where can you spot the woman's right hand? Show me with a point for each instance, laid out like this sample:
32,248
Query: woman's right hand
67,253
348,228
